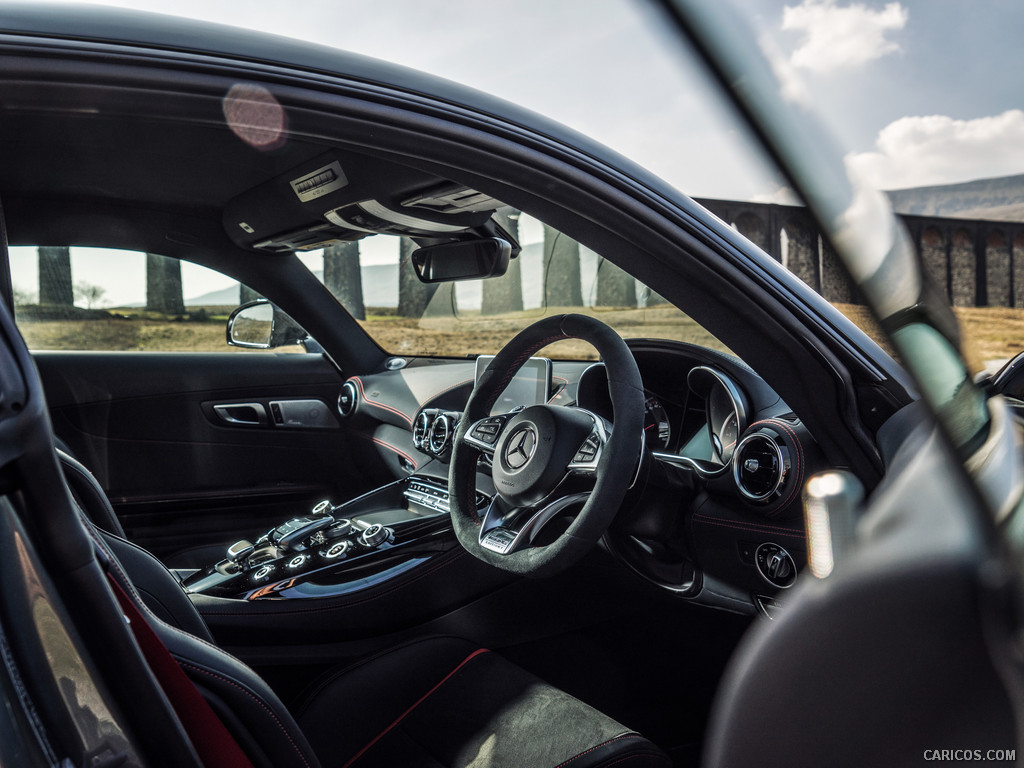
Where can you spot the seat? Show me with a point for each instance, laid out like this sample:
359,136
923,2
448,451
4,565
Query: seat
438,701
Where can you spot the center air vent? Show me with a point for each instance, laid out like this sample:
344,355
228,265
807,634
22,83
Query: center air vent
440,435
348,399
421,430
759,466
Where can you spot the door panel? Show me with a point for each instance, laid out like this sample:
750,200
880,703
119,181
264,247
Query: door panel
177,473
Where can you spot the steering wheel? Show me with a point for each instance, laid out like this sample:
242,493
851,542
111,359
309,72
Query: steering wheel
546,459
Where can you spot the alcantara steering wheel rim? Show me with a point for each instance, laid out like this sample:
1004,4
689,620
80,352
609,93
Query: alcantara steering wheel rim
615,464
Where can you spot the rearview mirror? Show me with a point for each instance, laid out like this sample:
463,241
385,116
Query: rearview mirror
261,325
462,260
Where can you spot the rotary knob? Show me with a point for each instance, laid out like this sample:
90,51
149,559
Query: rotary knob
376,535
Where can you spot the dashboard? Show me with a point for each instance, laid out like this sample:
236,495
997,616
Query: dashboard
730,532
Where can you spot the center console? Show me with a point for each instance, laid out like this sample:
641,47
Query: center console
334,550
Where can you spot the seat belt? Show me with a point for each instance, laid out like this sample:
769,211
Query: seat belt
211,739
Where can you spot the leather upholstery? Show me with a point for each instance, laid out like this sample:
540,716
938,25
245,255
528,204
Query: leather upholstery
439,701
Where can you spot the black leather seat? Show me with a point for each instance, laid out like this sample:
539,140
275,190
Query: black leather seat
439,701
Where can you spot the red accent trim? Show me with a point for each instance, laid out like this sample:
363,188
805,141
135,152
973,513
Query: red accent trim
423,698
212,741
375,404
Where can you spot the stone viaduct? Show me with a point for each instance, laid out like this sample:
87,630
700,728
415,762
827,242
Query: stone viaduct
978,263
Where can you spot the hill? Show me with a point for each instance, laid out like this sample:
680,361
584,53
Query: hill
1000,199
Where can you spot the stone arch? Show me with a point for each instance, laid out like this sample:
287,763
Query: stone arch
933,256
998,279
963,269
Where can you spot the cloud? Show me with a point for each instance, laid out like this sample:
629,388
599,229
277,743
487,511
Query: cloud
936,149
837,37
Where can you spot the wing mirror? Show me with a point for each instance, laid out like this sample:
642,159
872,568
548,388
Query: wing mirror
261,325
462,260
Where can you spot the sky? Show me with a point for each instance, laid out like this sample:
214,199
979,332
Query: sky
918,92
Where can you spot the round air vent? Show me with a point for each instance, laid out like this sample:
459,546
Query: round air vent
348,399
440,435
421,429
759,466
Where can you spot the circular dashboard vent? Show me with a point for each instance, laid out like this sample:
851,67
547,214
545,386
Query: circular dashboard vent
440,435
348,399
759,466
421,429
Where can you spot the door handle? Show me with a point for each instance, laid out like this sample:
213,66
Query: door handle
241,414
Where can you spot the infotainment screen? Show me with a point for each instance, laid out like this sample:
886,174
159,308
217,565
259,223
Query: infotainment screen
530,386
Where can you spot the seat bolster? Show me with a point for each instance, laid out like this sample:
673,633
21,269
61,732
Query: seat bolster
246,705
157,587
91,497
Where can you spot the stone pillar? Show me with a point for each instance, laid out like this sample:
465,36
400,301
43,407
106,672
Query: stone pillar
55,276
505,294
343,277
963,269
933,258
1017,255
752,227
835,285
997,269
802,250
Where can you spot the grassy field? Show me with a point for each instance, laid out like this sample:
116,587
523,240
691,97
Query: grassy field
993,333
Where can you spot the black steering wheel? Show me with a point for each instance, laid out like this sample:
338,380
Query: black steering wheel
546,459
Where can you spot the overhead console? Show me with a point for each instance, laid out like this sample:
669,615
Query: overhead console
342,197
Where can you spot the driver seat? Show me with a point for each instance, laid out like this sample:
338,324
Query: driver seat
438,701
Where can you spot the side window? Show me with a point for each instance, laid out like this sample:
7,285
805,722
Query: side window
106,299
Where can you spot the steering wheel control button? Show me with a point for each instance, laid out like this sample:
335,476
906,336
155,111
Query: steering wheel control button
588,452
336,550
775,565
499,540
376,535
486,430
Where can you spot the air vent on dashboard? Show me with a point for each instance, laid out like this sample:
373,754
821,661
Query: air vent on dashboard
348,399
421,430
760,466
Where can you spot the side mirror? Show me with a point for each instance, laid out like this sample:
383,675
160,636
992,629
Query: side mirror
462,260
261,325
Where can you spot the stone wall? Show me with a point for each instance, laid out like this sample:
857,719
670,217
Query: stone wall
977,263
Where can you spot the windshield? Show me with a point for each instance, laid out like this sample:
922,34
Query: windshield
553,274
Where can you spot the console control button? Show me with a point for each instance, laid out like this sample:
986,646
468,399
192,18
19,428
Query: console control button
775,565
240,550
376,535
297,562
323,507
337,549
262,574
340,528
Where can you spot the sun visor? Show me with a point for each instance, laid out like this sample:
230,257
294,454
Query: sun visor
336,197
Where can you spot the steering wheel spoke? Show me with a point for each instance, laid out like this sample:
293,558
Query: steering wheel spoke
505,529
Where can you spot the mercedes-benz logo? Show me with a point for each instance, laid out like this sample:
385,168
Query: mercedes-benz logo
520,447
